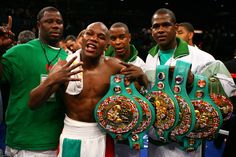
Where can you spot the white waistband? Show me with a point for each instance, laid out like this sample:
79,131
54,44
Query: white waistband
74,127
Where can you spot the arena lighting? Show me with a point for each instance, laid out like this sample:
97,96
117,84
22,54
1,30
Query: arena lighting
197,31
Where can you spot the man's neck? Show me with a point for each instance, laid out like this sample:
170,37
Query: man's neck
170,46
52,44
90,62
125,56
191,43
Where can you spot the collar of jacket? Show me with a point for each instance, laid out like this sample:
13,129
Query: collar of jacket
134,53
181,50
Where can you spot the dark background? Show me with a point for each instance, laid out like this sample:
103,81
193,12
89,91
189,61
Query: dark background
216,18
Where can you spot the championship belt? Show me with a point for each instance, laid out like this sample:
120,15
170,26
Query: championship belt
208,115
148,117
187,115
117,112
165,104
218,95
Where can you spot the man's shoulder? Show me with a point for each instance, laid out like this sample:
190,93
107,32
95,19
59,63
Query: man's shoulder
138,59
109,59
112,62
32,43
20,49
198,52
138,62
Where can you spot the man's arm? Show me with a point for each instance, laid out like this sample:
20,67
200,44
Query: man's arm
6,39
6,35
217,69
59,75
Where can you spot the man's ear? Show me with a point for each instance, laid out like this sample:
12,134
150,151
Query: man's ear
129,37
38,27
38,24
191,35
176,27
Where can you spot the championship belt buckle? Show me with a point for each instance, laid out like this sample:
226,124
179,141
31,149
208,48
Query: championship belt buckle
165,104
148,117
187,115
208,115
117,112
222,101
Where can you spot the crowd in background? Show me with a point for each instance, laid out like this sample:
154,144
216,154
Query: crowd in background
217,39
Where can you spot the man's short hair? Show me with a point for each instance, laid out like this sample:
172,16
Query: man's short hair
41,12
165,11
120,24
70,37
188,26
25,36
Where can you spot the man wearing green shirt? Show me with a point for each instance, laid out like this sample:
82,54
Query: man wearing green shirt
32,132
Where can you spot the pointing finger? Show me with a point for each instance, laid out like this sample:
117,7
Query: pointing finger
9,24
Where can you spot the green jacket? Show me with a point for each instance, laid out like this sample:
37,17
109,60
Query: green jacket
181,50
134,53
